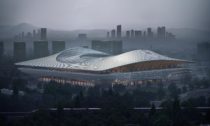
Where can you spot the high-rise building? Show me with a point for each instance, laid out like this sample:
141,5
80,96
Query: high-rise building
113,33
40,49
34,34
107,34
170,36
43,33
58,46
144,34
29,35
132,33
110,47
138,34
1,48
127,34
161,32
149,33
38,34
82,36
22,35
119,31
19,51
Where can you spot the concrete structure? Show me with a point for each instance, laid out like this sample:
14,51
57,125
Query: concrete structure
128,34
83,66
110,46
149,33
19,51
119,31
132,33
58,46
43,34
161,32
40,49
113,33
138,34
82,36
107,34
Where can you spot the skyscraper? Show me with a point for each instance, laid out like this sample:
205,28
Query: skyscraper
19,51
119,31
144,34
82,36
43,33
38,34
149,33
34,34
110,47
22,35
161,32
58,46
29,35
127,34
138,34
163,29
132,33
40,49
113,33
107,34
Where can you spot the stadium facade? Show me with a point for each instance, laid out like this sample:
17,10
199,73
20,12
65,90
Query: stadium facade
83,66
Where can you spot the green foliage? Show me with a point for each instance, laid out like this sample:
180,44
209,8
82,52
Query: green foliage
173,90
116,103
162,120
161,92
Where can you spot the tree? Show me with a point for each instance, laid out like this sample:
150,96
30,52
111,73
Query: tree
173,90
17,85
162,120
184,89
176,113
15,90
160,91
152,111
77,102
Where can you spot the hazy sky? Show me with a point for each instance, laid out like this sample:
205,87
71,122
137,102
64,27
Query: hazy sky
91,14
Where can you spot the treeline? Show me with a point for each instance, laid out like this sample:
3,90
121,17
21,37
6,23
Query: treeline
116,115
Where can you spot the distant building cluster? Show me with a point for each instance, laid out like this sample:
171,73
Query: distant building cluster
40,45
107,46
82,36
147,34
40,34
19,51
115,33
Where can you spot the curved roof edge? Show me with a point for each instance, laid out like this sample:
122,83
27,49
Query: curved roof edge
89,59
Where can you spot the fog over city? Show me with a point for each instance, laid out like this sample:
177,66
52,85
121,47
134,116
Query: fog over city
104,63
103,14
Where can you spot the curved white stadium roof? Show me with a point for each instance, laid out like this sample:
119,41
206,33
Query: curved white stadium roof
88,59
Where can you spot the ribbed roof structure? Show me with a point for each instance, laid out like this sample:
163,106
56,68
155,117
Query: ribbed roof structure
87,59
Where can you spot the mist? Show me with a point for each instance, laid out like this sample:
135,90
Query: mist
103,14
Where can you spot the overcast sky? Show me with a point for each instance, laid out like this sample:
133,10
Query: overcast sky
96,14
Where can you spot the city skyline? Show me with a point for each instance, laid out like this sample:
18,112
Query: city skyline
92,14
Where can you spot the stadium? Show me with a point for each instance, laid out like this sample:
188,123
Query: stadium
88,67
